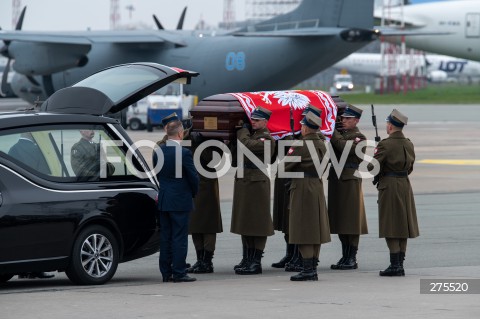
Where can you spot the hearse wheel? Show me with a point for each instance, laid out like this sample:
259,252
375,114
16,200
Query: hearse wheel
94,257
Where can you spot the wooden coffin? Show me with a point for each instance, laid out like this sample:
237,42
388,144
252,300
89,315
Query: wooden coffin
216,116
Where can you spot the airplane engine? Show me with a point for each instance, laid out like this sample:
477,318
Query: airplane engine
39,59
437,76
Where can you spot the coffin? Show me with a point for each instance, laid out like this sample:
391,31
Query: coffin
216,116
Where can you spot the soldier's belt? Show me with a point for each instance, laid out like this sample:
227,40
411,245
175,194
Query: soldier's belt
351,165
396,174
306,174
250,166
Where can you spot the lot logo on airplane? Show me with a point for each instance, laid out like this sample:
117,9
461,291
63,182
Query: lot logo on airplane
452,66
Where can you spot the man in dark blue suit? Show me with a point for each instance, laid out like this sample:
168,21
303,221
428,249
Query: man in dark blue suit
178,185
27,151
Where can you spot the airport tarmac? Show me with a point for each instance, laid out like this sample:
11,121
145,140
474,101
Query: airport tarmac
446,185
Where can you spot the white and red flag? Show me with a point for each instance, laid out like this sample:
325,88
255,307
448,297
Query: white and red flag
281,102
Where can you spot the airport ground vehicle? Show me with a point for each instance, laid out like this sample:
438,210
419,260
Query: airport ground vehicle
343,82
149,111
50,218
137,115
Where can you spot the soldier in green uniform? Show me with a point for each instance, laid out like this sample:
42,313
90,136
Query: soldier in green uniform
85,158
280,209
308,220
251,217
346,208
206,217
292,261
396,204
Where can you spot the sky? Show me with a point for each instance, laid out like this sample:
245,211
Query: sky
67,15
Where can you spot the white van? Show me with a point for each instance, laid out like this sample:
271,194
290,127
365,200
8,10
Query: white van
343,82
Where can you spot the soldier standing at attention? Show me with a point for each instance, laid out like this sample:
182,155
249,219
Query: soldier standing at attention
251,217
308,220
346,209
396,205
206,218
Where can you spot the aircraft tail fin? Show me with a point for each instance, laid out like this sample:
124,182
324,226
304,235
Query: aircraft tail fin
329,13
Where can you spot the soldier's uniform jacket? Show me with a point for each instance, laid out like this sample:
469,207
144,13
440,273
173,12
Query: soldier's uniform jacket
251,194
346,208
206,218
308,220
396,204
85,160
281,195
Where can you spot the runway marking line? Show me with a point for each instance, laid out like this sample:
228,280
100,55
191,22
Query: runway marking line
451,162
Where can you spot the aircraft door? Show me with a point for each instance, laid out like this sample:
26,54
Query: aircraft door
472,24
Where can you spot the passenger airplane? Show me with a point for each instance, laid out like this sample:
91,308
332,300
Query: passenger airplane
270,55
437,66
458,20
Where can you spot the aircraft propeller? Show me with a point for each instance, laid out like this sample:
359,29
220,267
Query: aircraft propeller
180,21
4,52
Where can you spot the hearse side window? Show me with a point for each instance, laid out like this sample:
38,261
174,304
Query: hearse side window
69,155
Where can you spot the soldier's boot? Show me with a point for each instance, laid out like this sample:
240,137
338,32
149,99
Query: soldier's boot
254,266
286,258
198,263
394,269
351,260
401,259
309,271
244,260
206,266
341,260
296,263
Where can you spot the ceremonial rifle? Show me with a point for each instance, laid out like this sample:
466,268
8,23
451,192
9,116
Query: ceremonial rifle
377,139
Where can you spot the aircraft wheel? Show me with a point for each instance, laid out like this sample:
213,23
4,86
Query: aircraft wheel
94,257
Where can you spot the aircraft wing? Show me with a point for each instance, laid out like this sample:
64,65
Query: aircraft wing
392,32
349,34
292,32
89,37
44,53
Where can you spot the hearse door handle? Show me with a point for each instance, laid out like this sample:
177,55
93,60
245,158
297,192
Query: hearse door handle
1,199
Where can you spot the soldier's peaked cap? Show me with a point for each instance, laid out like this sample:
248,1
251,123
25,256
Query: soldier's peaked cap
261,113
312,121
170,118
313,109
397,118
352,111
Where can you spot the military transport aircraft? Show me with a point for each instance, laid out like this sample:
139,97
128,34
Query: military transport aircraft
270,55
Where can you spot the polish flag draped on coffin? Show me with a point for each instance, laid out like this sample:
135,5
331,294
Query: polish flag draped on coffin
284,103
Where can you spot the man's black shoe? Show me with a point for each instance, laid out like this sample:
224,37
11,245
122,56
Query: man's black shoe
185,278
33,275
167,278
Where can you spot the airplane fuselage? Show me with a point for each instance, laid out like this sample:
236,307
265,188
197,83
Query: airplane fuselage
459,19
371,64
240,63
